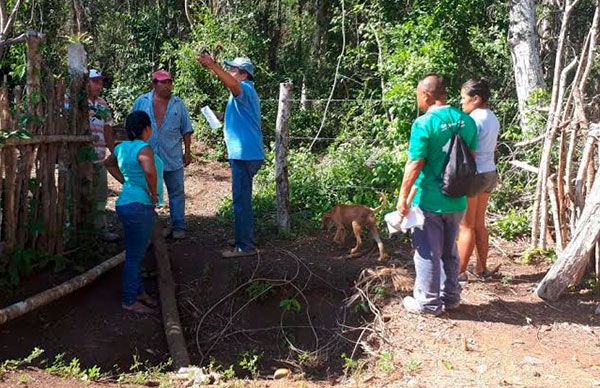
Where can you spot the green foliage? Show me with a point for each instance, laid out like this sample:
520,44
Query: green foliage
381,291
361,307
412,365
536,255
513,224
142,373
259,290
249,361
290,304
448,365
22,262
12,365
73,369
349,364
385,362
506,280
18,134
349,173
229,373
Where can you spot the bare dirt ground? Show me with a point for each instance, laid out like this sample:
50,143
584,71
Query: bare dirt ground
233,310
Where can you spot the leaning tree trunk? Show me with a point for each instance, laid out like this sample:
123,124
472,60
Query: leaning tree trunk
525,53
573,261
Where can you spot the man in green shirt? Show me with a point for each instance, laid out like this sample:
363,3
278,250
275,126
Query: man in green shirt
436,259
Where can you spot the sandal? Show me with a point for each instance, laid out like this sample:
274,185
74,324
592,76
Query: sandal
148,300
138,308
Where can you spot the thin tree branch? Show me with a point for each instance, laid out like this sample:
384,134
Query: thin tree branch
13,14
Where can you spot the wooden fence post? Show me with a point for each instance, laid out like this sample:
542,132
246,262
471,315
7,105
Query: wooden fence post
282,140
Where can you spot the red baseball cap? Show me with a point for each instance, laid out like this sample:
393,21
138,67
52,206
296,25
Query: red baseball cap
161,75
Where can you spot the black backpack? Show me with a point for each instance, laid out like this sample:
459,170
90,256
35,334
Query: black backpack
459,175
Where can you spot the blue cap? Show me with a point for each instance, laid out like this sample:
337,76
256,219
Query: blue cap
242,63
95,74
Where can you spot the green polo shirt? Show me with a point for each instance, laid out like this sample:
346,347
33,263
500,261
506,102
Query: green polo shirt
430,140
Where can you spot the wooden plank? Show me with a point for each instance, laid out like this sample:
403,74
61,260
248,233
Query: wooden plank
1,189
61,201
51,197
27,159
10,180
49,140
6,123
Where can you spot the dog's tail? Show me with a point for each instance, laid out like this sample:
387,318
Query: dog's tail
383,199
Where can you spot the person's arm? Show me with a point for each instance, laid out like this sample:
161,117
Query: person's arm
146,160
187,155
113,168
411,173
417,153
109,138
227,79
186,132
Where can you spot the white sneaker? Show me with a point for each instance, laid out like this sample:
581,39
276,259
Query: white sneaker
412,306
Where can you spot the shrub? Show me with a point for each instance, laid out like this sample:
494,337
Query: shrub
514,224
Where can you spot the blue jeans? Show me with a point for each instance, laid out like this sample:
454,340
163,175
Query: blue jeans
242,174
174,183
436,261
138,222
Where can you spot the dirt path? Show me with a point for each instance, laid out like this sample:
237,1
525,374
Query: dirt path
90,324
500,336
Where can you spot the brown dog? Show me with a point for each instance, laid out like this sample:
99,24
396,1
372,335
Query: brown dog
355,217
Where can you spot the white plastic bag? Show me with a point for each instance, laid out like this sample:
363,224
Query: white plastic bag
210,116
396,222
393,221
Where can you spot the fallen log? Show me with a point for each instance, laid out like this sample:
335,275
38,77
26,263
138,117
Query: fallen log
41,299
573,260
170,314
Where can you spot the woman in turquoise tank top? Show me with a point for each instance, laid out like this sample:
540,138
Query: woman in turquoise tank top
135,165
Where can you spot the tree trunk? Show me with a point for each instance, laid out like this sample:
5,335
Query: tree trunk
170,314
43,298
282,140
525,53
574,259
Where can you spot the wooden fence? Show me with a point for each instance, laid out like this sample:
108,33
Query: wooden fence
46,178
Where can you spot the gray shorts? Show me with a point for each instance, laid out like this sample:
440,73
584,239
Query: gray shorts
487,181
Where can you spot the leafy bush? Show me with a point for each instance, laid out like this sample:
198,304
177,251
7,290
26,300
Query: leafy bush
515,223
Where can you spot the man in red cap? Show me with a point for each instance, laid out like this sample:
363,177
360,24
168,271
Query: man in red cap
171,130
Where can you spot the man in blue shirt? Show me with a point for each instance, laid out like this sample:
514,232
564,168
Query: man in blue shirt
171,125
243,137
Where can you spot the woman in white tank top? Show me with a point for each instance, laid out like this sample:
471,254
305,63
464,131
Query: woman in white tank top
473,233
